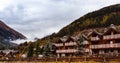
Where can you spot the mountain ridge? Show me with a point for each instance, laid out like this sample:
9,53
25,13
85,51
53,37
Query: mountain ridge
10,30
7,34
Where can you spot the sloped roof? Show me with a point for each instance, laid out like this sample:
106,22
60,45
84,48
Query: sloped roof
111,28
66,39
60,40
94,32
85,37
70,38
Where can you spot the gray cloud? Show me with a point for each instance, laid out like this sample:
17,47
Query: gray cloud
38,18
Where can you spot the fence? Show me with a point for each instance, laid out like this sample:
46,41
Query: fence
67,59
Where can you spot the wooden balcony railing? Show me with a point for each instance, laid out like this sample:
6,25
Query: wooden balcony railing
111,36
59,45
85,42
95,38
116,45
70,44
66,44
67,51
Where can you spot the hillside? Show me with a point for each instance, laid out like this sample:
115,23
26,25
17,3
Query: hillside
7,34
97,19
100,18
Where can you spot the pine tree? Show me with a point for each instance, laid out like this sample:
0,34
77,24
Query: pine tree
48,50
30,51
80,45
37,49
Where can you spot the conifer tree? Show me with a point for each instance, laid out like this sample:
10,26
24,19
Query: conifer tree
80,45
30,51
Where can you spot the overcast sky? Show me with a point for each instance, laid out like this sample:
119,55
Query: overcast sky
38,18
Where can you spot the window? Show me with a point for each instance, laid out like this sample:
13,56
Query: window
111,42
